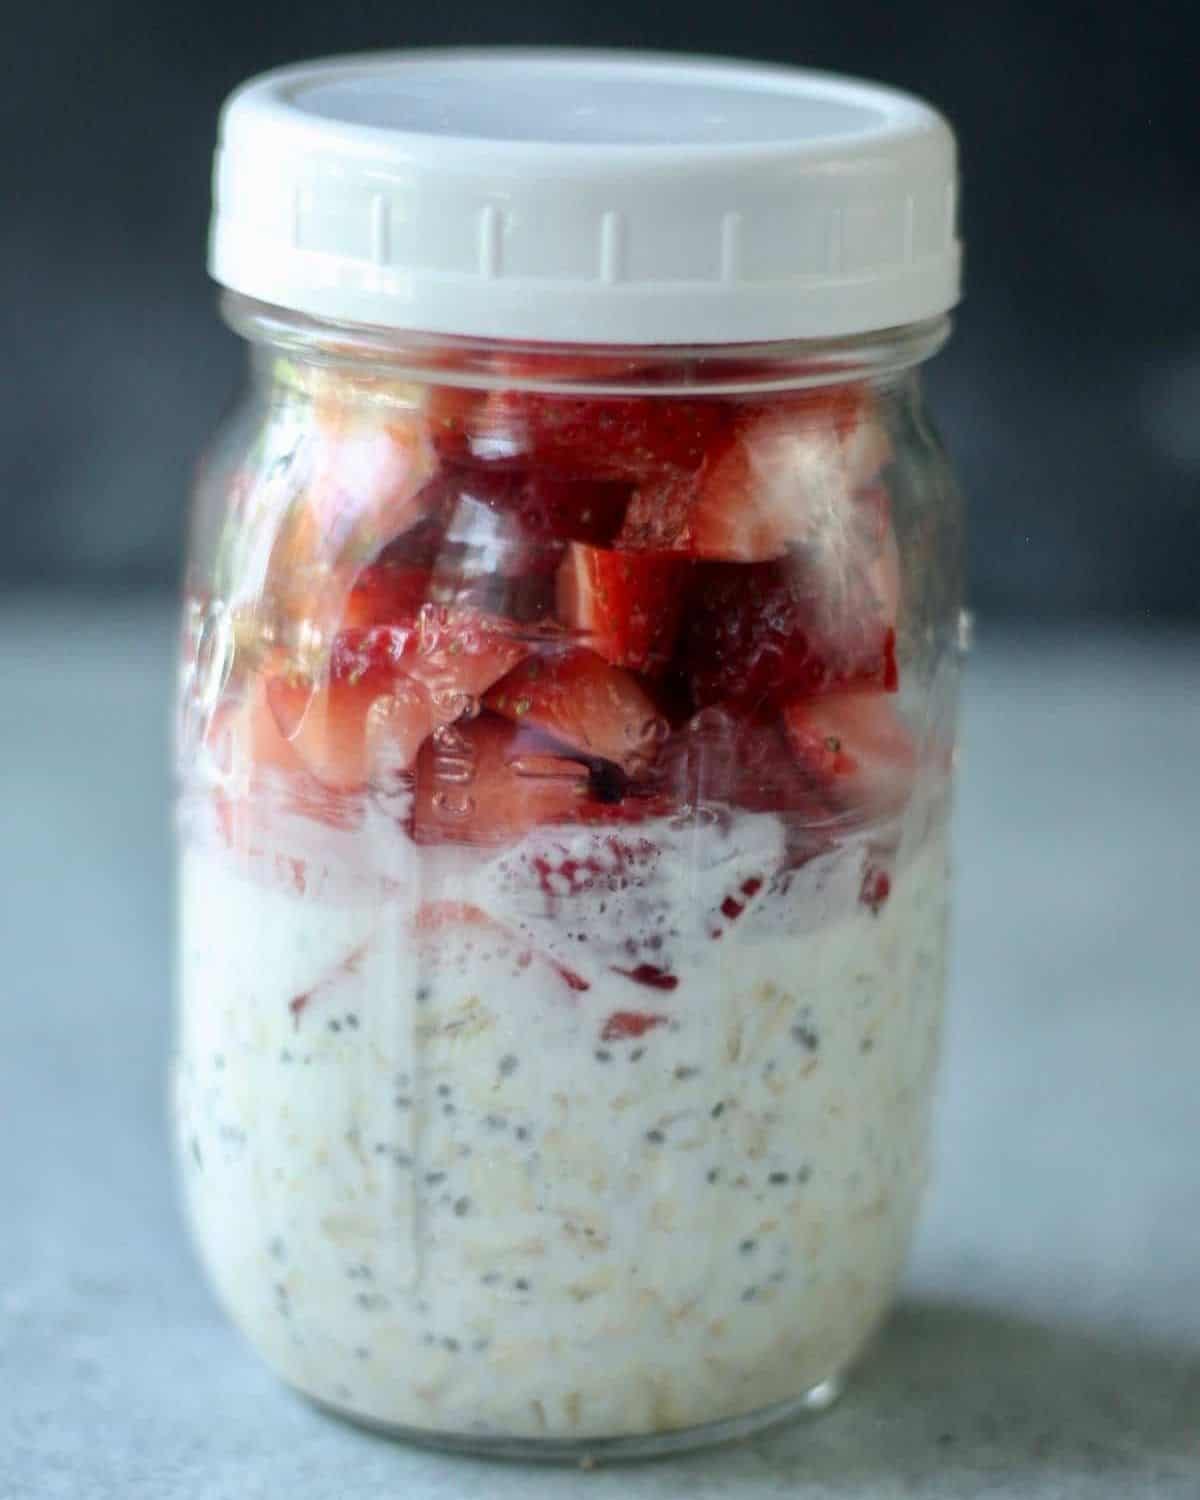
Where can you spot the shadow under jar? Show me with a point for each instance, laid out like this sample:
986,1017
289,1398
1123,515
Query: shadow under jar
566,729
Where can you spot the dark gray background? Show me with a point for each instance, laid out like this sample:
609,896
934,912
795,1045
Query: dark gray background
1070,396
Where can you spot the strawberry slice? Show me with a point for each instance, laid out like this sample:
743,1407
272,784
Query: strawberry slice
347,730
580,699
628,606
763,633
784,477
489,782
857,749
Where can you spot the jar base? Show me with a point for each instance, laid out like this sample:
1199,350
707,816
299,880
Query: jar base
589,1453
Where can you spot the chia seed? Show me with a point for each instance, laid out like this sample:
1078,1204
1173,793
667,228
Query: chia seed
352,1021
508,1065
362,1352
747,1247
423,993
655,1137
718,1109
450,1346
637,1054
490,1278
520,1285
712,1174
749,1294
495,1122
777,1179
433,1178
521,1133
804,1174
462,1207
684,1071
805,1036
602,1055
335,1026
448,1110
443,1090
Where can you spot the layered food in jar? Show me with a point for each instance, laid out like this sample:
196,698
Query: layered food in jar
563,892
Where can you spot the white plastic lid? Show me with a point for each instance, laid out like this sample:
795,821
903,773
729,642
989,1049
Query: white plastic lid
593,197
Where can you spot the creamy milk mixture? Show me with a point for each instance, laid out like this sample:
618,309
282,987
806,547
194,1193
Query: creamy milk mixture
470,1140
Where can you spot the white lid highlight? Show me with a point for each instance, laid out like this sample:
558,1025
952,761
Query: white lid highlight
583,196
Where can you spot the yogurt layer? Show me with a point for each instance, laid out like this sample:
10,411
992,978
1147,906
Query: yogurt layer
617,1132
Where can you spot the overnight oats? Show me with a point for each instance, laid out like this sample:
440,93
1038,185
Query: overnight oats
565,743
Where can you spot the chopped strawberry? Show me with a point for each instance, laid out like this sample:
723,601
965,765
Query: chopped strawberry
626,605
761,633
574,868
347,730
857,749
587,437
461,653
723,757
367,484
386,593
625,1024
246,744
783,477
549,509
435,920
395,624
651,975
876,888
487,781
577,697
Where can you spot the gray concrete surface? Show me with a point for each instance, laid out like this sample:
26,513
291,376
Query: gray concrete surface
1048,1341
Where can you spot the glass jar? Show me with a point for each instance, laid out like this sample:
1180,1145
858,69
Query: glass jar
565,747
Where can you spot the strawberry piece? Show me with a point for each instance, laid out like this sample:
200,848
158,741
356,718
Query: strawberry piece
367,484
782,478
591,437
395,624
727,758
541,507
626,1024
857,750
347,730
628,606
246,744
436,919
761,634
386,594
489,782
651,976
580,699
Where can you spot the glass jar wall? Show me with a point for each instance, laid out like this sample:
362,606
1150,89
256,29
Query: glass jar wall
565,746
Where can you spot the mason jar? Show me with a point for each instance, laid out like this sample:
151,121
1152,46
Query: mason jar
565,740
